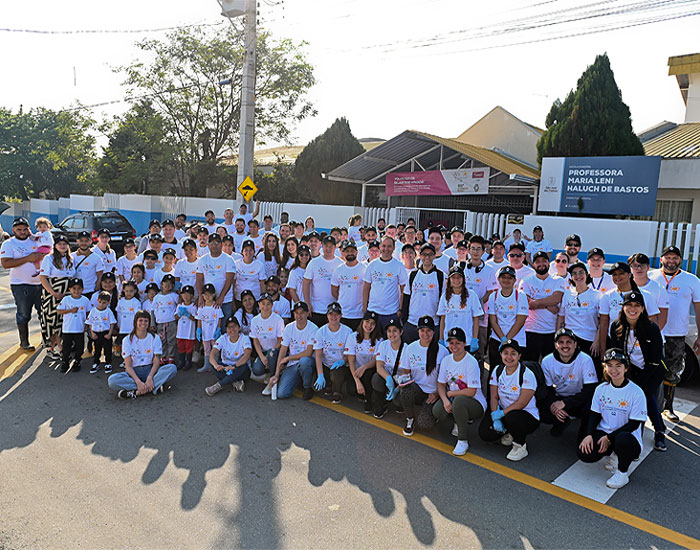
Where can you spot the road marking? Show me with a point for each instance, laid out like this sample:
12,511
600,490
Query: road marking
14,358
589,479
8,306
626,518
6,289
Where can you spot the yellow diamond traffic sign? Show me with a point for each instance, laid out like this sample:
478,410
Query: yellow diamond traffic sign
247,188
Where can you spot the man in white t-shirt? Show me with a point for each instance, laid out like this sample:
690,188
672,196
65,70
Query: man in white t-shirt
537,244
180,221
211,224
18,254
347,284
498,255
602,282
240,235
441,261
456,236
516,257
317,281
422,293
218,269
385,279
228,221
245,215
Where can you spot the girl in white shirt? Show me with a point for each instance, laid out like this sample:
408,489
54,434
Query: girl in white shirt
508,310
389,353
296,274
127,307
460,308
361,354
230,358
55,272
266,334
578,310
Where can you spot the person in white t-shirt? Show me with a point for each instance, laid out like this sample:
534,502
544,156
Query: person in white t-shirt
498,255
329,353
186,316
639,265
537,244
228,222
102,323
295,284
460,308
347,285
74,309
361,355
210,224
579,309
317,281
384,384
249,273
456,237
616,420
513,411
254,235
266,333
126,262
516,258
600,281
459,388
508,311
385,279
186,268
218,269
422,293
230,358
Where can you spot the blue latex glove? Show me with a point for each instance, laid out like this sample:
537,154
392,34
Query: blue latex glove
497,414
474,345
504,339
178,284
320,382
337,365
390,396
182,311
217,333
199,334
498,426
390,386
442,343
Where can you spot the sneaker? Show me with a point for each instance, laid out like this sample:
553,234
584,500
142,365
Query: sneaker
258,377
619,479
671,416
268,389
126,394
660,442
336,398
327,391
379,415
308,394
461,448
239,385
408,427
507,440
161,388
75,366
455,431
611,463
517,452
64,368
95,367
108,369
211,390
367,407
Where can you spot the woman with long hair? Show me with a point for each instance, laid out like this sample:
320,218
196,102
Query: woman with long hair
55,272
230,358
296,273
249,309
289,253
361,354
460,308
579,307
354,224
270,254
105,252
309,225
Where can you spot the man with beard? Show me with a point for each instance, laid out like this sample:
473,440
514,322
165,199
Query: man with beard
211,224
170,240
180,221
88,265
544,294
347,285
240,235
363,250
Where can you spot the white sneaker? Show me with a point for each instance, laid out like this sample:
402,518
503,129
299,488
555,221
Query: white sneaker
461,448
455,432
618,479
257,377
239,385
268,389
518,452
507,440
611,463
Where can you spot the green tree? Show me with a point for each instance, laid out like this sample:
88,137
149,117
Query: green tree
592,121
324,153
201,117
45,153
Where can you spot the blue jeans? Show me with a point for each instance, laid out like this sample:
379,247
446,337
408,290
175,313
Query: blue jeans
122,381
26,297
259,368
239,373
290,376
227,310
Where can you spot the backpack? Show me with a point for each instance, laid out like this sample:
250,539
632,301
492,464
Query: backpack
440,277
536,369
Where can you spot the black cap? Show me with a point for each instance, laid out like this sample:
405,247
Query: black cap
150,253
21,220
334,307
595,252
510,344
615,354
458,333
573,237
517,246
537,228
435,229
314,235
328,240
577,265
273,279
300,305
671,250
462,244
247,293
170,251
565,332
209,288
154,286
347,243
154,222
427,246
214,237
507,270
540,254
189,289
457,228
156,237
84,234
189,242
60,239
103,231
168,222
455,270
370,315
619,266
426,322
231,319
372,244
75,281
129,241
303,248
248,244
109,275
168,278
266,296
633,297
393,322
227,239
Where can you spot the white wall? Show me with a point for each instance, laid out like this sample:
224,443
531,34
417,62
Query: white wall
692,109
325,216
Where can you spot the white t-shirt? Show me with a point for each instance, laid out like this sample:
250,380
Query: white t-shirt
186,325
497,265
100,319
457,374
159,274
354,233
457,315
238,240
523,272
385,278
506,310
424,293
86,268
414,359
332,343
209,316
509,388
248,277
442,262
658,292
158,261
126,310
602,283
611,304
124,266
215,271
43,238
230,227
48,268
74,323
533,247
617,406
267,331
296,281
164,306
350,283
270,265
580,312
180,234
282,307
569,378
364,352
683,290
14,249
231,352
541,321
244,322
257,241
297,340
481,282
109,258
211,228
143,350
320,272
187,273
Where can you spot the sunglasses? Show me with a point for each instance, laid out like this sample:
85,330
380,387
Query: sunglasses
561,261
515,255
577,245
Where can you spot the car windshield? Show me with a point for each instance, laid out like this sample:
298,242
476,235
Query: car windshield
110,221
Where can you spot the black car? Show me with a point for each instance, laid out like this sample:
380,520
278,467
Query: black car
119,227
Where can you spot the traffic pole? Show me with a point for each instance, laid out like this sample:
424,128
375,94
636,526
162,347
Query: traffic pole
247,126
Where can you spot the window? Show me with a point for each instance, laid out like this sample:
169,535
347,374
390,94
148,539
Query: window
673,211
69,223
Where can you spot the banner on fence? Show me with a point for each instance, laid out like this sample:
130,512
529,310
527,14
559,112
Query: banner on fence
471,181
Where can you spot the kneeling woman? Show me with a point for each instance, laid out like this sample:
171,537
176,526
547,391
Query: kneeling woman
615,423
230,358
459,388
418,371
142,351
514,412
388,357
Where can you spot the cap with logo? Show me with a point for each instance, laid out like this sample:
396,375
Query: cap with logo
266,296
314,235
577,265
129,241
565,332
427,247
20,220
619,266
187,289
595,252
347,243
426,322
156,237
75,281
334,307
60,239
328,240
462,244
455,270
168,279
214,237
189,242
103,231
671,250
303,248
573,238
210,288
154,222
273,279
108,275
540,254
168,222
370,315
154,286
615,354
248,244
83,235
633,297
170,251
510,344
507,270
300,305
372,244
456,333
393,322
537,228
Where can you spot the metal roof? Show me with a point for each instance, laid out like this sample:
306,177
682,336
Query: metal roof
683,141
397,153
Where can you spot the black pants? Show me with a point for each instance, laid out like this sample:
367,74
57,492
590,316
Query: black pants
410,333
102,344
649,379
319,319
519,424
73,345
352,323
494,355
413,400
538,345
625,446
581,412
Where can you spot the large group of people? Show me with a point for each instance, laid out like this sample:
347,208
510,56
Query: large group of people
436,325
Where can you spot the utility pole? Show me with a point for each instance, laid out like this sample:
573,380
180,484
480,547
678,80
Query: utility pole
247,138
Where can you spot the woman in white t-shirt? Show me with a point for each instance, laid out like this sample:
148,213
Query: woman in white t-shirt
459,388
615,424
296,274
361,354
230,358
513,411
266,334
508,310
579,306
389,353
142,351
289,252
460,308
247,312
269,255
329,350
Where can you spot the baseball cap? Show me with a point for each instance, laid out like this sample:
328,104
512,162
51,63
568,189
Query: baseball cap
189,242
633,297
210,288
334,307
615,354
537,228
103,231
154,222
168,279
347,243
595,252
393,322
540,254
227,239
75,281
516,246
457,229
372,244
84,234
671,250
328,240
458,333
426,322
188,289
266,296
150,254
60,239
170,251
619,266
129,241
156,237
300,305
577,265
507,270
21,220
573,238
168,222
455,270
154,286
510,344
370,315
427,246
214,237
462,244
231,319
314,235
273,279
110,275
303,248
565,332
248,244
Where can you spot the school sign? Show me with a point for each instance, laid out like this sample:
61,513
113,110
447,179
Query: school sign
600,185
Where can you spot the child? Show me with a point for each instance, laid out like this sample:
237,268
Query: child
151,292
138,275
169,257
101,321
127,306
74,309
208,323
150,257
126,262
164,307
108,283
186,327
43,238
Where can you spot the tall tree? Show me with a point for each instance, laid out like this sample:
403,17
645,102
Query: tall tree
324,153
202,117
592,121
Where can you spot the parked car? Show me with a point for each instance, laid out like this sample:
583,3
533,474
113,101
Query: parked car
119,227
691,358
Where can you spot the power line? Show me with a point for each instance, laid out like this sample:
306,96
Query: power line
107,31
